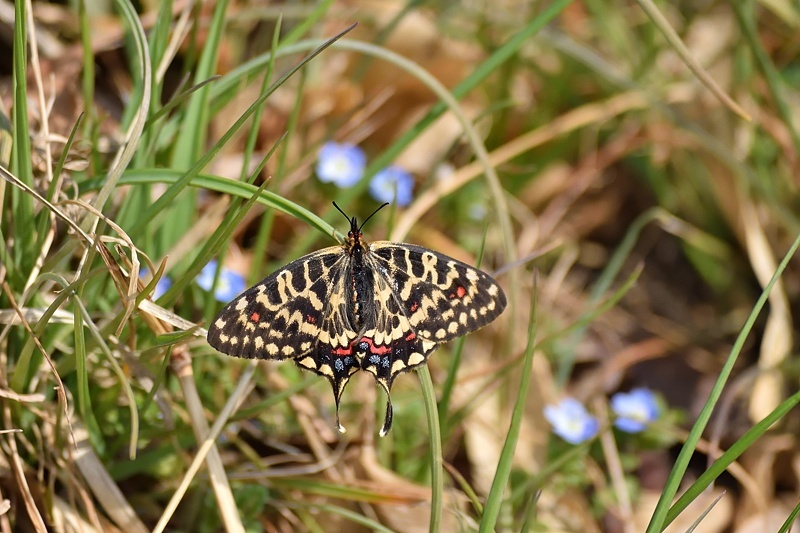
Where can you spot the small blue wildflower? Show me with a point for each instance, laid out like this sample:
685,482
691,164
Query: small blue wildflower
162,286
477,211
392,180
229,285
571,421
341,164
634,410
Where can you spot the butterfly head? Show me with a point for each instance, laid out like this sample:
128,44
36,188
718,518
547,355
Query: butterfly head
354,235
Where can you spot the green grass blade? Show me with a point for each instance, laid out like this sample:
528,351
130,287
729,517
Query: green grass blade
192,137
435,433
731,454
134,133
659,518
494,500
22,204
218,184
745,12
172,192
786,527
88,71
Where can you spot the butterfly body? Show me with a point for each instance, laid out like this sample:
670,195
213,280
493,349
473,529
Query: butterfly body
381,307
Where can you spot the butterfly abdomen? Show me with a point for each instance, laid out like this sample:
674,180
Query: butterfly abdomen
361,279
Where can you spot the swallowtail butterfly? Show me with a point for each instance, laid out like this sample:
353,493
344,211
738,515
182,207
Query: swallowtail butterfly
382,307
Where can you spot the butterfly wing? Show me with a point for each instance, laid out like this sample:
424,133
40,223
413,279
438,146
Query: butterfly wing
389,347
422,298
441,297
298,312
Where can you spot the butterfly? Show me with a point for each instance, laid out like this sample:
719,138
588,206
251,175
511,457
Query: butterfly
381,307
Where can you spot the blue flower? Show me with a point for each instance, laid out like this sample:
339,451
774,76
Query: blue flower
393,183
341,164
634,410
229,285
477,211
571,421
162,285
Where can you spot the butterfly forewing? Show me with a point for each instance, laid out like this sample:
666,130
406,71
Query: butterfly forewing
441,297
288,313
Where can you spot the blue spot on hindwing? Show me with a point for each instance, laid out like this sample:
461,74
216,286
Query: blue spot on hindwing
338,364
374,359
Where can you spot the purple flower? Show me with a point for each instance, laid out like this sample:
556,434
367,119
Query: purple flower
341,164
571,421
393,183
229,285
162,285
635,410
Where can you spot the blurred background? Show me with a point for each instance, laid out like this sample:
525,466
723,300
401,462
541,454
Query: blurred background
626,170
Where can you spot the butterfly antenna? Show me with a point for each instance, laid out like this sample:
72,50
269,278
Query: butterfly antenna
373,214
352,221
342,212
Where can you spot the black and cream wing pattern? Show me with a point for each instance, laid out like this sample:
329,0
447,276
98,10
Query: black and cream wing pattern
382,307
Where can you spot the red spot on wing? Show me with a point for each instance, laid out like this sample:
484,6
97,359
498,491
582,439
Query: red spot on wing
411,336
460,293
255,317
378,350
414,306
343,351
310,319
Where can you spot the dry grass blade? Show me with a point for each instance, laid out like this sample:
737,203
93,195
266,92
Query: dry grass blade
12,318
8,176
768,389
62,396
588,114
663,25
207,447
181,365
18,469
155,313
103,486
180,362
66,519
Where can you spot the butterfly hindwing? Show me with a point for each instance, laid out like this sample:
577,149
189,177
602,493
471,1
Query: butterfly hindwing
389,346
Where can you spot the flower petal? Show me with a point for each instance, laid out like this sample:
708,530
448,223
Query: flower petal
635,410
229,285
392,184
571,421
341,164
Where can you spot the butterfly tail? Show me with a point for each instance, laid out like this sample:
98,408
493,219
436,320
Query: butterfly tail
337,365
387,419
